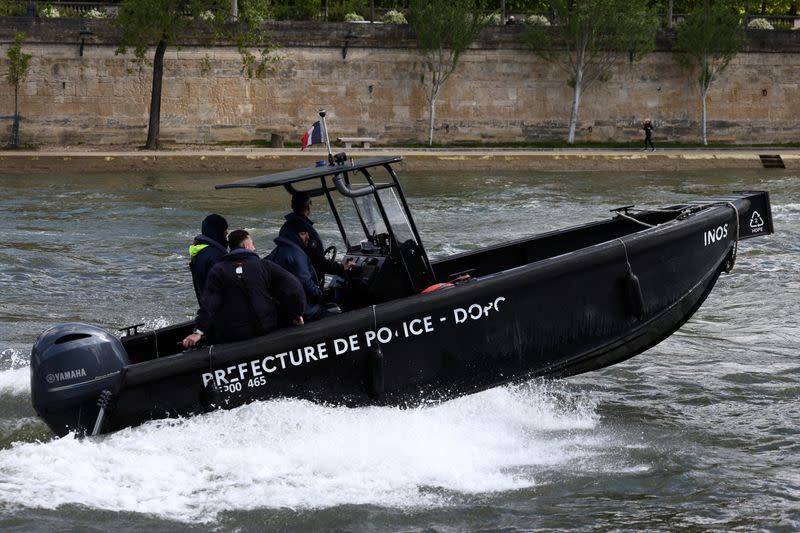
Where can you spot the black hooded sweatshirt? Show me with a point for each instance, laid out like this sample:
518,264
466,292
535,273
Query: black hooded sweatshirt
206,250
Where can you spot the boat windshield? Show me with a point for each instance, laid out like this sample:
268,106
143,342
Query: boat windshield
374,223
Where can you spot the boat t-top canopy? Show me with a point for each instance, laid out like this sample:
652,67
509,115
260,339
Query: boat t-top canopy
379,219
293,176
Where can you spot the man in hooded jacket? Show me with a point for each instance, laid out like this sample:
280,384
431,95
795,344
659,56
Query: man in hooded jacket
206,250
290,253
246,297
299,217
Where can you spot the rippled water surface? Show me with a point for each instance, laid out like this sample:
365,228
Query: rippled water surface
700,433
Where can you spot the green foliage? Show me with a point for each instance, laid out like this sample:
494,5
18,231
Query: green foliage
253,12
18,66
537,20
297,9
443,29
771,7
49,12
494,19
95,13
594,34
18,62
759,24
353,17
709,38
527,6
338,10
587,37
249,34
12,8
392,4
143,24
394,17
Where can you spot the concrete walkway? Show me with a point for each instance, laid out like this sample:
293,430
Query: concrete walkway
76,159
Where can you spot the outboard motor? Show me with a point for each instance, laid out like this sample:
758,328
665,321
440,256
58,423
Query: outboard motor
72,366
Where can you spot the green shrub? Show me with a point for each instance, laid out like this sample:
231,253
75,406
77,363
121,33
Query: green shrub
537,20
95,13
494,19
49,12
353,17
759,24
394,17
337,11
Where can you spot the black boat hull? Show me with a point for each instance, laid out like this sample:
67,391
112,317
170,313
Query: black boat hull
570,313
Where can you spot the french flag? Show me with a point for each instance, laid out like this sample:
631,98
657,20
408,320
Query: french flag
314,135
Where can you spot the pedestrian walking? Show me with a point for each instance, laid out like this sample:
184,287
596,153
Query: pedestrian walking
648,135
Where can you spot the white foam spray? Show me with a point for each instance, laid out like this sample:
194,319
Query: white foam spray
300,455
14,373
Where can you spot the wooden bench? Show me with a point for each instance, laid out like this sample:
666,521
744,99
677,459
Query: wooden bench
348,141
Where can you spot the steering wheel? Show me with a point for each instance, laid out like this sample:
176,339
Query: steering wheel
330,253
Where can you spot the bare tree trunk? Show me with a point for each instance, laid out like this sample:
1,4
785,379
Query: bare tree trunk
576,101
15,125
372,10
432,115
703,93
234,10
502,11
154,127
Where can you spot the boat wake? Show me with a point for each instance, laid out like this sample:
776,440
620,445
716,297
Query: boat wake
299,455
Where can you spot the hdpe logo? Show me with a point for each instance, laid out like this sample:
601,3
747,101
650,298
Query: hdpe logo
756,222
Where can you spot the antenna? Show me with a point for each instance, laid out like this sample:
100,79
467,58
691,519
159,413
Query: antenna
327,140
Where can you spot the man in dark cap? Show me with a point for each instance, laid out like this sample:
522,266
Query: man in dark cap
246,297
206,249
301,209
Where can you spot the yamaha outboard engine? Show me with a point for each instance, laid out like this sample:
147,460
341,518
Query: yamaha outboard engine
72,366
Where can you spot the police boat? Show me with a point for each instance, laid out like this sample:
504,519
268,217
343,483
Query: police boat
552,305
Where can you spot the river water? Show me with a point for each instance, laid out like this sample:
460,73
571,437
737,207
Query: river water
700,433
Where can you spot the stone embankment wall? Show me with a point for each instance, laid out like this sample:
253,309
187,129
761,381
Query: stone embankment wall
369,78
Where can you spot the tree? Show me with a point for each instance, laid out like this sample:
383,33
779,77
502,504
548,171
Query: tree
588,36
669,14
161,23
443,29
709,39
18,66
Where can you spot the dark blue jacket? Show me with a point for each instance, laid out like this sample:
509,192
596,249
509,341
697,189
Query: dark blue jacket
315,249
204,253
289,253
241,306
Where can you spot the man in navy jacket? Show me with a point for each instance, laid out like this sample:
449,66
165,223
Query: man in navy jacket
290,253
206,249
246,297
299,218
